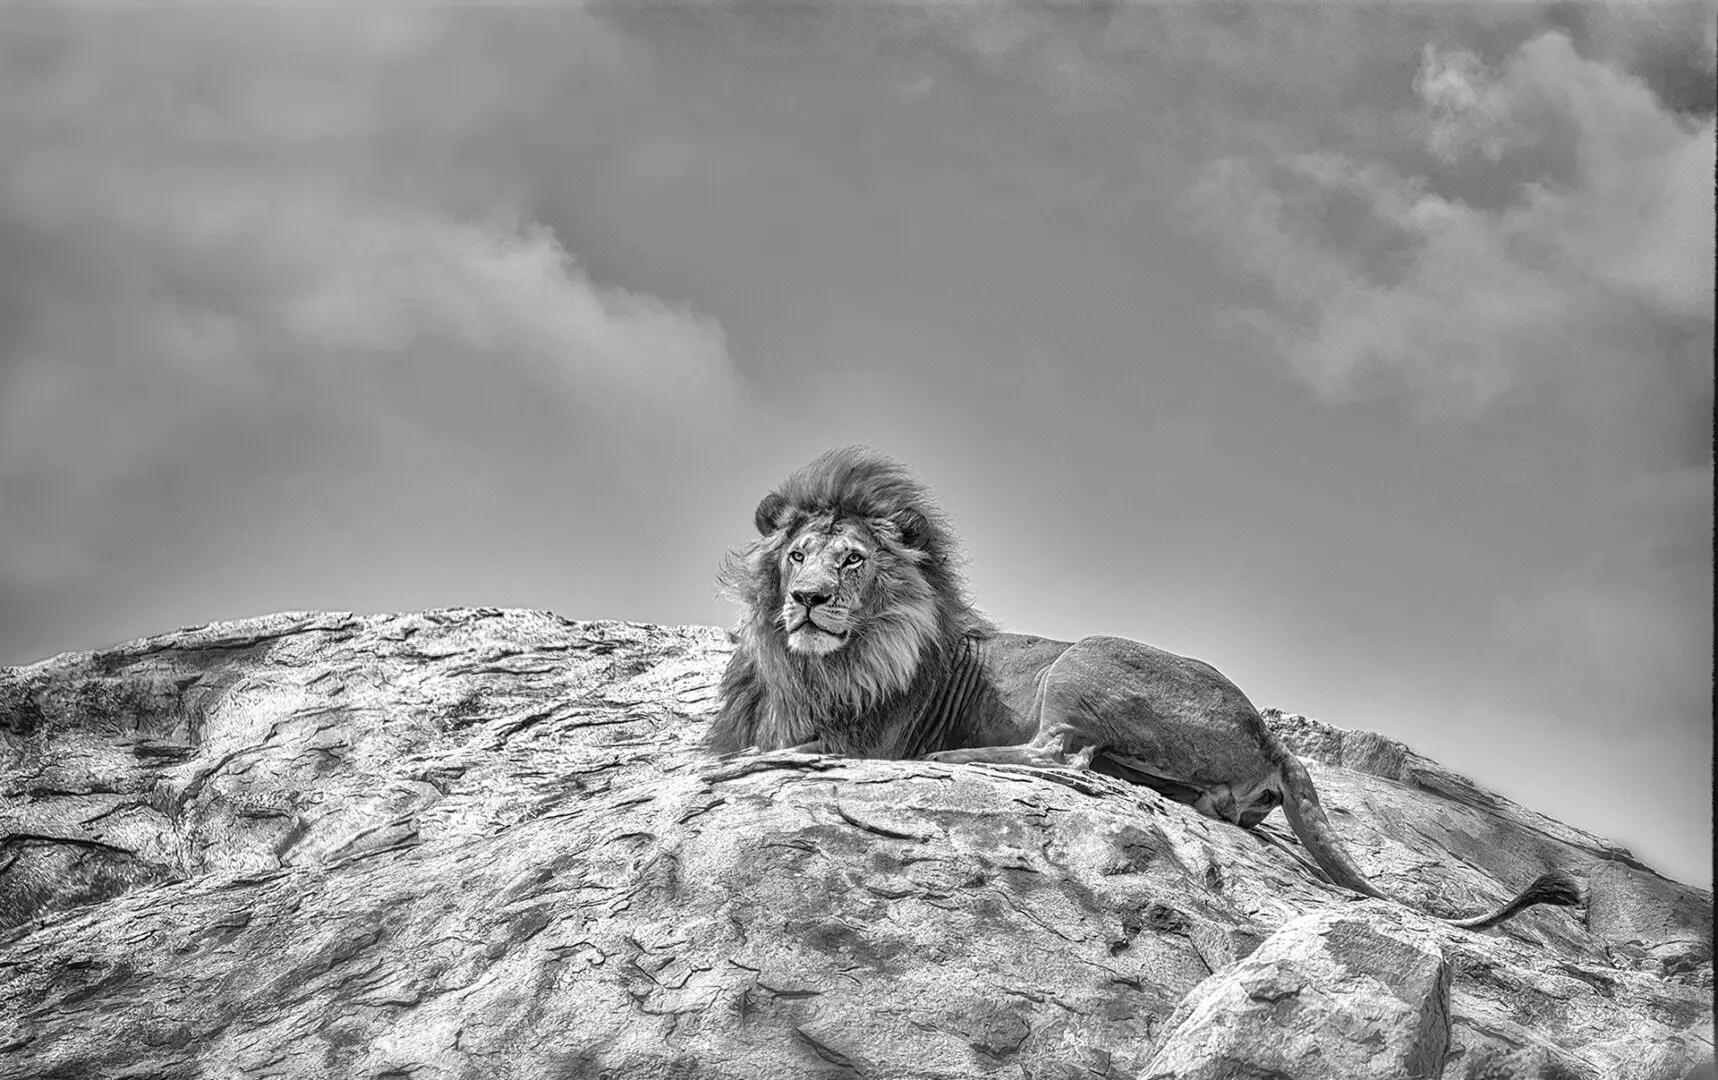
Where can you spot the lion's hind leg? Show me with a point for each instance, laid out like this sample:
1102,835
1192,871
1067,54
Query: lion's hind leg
1223,802
1135,771
1259,809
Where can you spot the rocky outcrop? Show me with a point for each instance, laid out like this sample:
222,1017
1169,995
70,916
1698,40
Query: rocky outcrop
1356,992
484,843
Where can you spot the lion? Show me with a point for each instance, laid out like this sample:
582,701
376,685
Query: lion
857,638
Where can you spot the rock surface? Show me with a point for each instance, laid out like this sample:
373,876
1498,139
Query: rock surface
480,843
1347,992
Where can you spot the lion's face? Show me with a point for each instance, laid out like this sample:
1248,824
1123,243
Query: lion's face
828,569
850,589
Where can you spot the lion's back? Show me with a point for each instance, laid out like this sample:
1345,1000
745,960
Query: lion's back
1159,706
1019,662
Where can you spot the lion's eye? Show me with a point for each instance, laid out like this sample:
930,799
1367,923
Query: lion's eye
796,556
853,559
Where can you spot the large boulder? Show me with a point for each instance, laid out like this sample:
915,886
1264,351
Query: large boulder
486,843
1346,992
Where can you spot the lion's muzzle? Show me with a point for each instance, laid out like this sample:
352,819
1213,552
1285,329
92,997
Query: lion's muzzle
813,625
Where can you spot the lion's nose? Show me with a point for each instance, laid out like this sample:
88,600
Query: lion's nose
810,599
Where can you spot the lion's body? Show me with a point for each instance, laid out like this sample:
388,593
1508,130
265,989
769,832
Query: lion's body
857,639
1159,719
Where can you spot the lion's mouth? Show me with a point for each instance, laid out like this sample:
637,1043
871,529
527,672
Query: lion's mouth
806,635
809,623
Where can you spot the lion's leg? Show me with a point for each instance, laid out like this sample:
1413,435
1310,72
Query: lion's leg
1162,721
1025,754
1059,742
1050,748
1040,752
815,746
1223,802
1260,808
1135,771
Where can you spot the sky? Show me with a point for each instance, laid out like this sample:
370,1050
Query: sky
1364,352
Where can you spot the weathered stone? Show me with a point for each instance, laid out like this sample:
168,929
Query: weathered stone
1358,751
485,843
1653,914
1350,992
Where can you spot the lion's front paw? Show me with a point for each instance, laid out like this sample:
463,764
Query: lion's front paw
1024,754
952,757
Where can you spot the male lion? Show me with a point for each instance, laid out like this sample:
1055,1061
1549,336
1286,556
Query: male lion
857,638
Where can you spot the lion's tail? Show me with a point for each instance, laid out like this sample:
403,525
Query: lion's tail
1552,887
1306,816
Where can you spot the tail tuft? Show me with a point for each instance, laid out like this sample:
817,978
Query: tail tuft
1555,887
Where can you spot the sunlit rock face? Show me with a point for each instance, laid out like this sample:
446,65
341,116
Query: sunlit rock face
486,843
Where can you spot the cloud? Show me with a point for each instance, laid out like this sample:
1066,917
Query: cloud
239,242
1527,257
1597,256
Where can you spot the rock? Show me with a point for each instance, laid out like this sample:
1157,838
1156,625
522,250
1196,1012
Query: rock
485,843
1353,991
1411,815
1653,930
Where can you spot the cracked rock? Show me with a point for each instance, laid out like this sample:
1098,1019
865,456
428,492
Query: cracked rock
477,843
1354,992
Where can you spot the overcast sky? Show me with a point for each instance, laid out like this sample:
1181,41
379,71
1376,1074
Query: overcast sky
1365,353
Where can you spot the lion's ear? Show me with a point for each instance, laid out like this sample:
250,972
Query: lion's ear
768,515
915,530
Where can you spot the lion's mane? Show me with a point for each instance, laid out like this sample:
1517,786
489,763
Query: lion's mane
863,699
